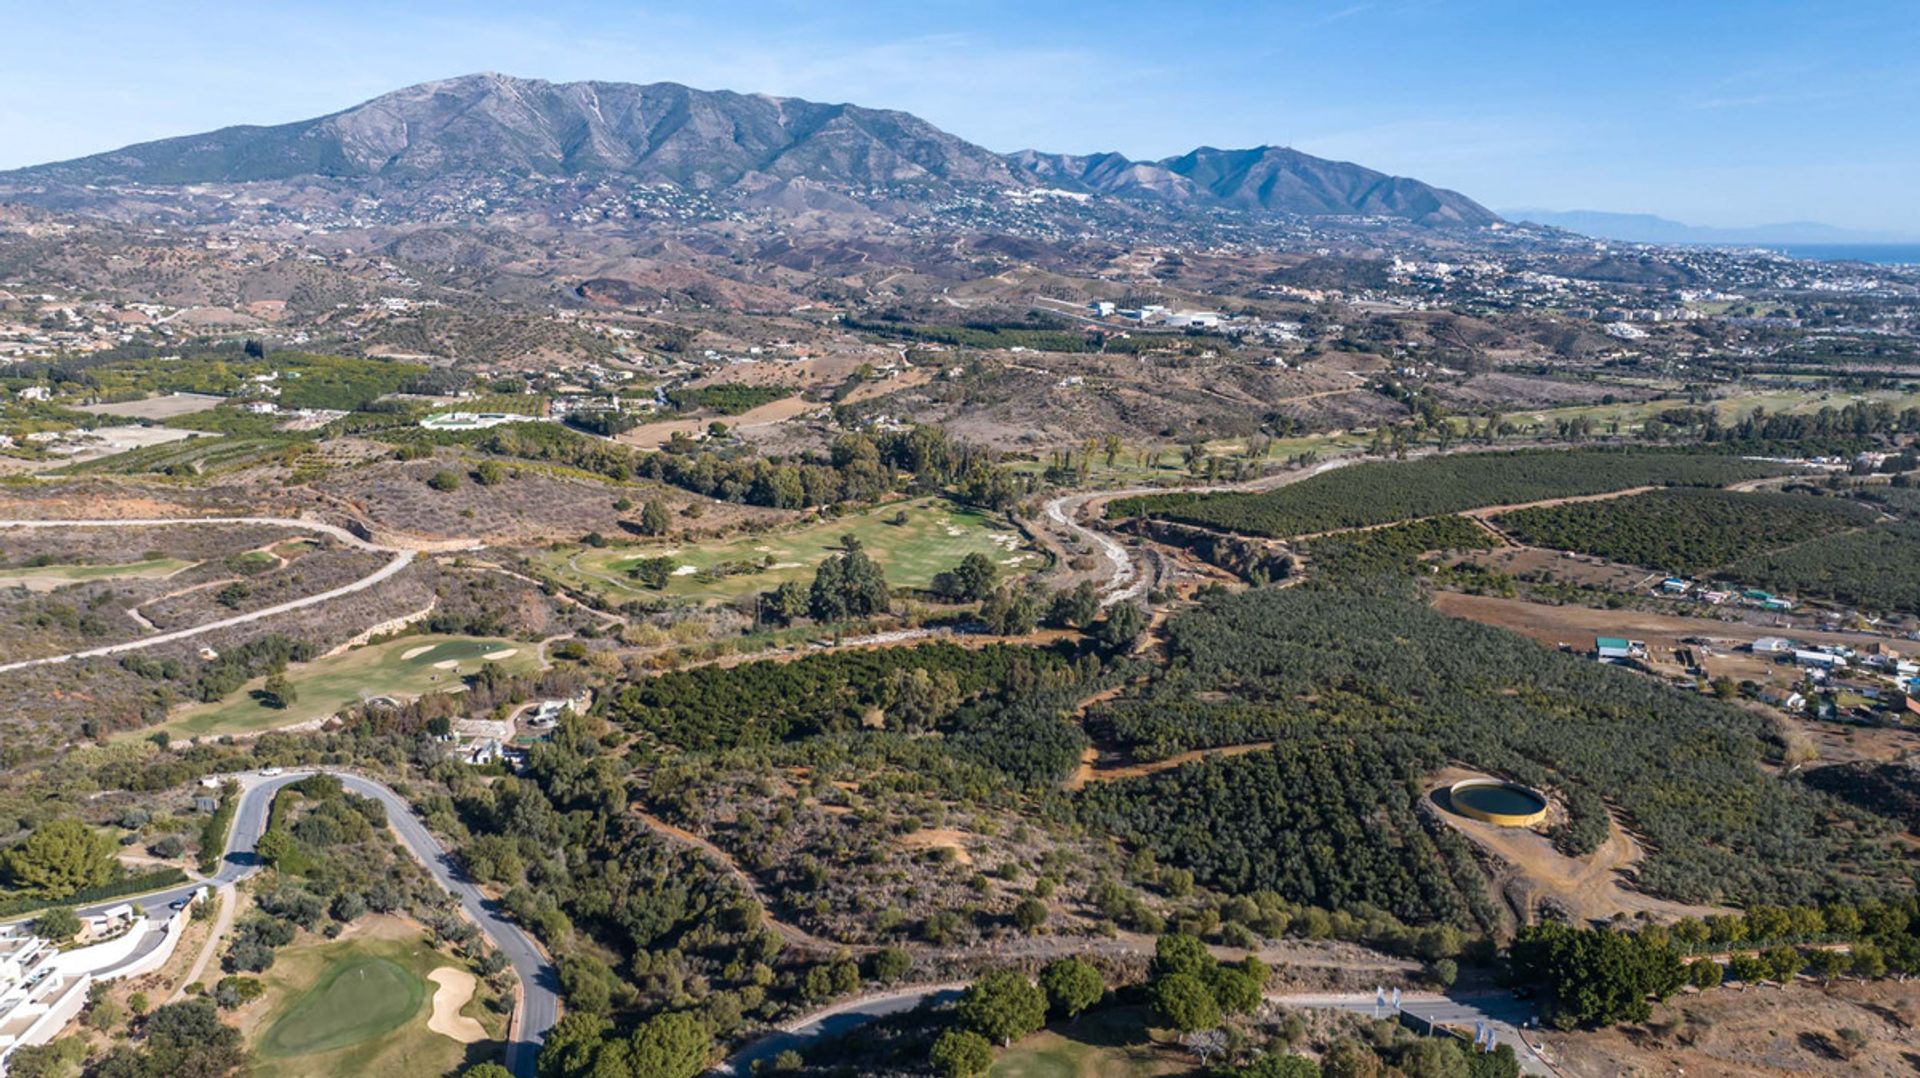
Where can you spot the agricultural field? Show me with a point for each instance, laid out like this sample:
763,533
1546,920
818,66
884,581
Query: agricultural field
1682,530
1382,492
361,1005
726,398
933,536
49,577
169,406
190,454
305,380
1875,569
1630,416
1365,696
404,667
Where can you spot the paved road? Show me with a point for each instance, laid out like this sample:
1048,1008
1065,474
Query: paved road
540,1000
1125,581
401,559
1504,1012
834,1021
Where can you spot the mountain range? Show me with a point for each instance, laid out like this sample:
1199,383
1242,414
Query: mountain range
1647,228
719,141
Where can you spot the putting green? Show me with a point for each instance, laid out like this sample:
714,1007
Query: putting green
357,1000
912,541
407,666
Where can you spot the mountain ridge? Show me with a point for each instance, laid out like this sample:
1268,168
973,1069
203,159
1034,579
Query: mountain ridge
721,140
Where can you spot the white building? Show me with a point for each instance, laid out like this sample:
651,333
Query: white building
1193,320
473,420
42,988
35,1001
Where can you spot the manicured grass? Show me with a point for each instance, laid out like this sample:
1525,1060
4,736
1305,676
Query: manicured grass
1105,1044
356,1000
358,1005
936,534
405,667
49,576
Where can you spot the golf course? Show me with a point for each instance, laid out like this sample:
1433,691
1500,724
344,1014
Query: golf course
1108,1044
49,577
360,1005
404,667
912,541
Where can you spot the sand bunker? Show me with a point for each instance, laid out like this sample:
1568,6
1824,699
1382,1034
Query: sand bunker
414,653
503,653
452,989
447,664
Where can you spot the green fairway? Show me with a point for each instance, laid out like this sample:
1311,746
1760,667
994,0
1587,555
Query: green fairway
1105,1044
405,667
48,577
357,1000
933,536
362,1004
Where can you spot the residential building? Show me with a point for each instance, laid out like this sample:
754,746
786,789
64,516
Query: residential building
1618,648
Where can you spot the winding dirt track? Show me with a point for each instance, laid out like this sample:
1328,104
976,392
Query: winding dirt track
401,559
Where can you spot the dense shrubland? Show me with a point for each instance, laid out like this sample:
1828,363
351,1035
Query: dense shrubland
1601,976
722,706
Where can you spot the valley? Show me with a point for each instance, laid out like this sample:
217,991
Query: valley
612,580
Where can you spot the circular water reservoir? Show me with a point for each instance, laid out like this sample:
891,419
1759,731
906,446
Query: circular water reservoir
1494,801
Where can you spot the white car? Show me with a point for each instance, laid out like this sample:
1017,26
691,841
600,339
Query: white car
269,772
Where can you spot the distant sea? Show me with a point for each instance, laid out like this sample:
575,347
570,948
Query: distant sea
1885,254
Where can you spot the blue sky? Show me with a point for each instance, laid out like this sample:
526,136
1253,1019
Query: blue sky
1708,112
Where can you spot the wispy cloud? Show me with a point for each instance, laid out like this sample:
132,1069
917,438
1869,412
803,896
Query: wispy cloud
1759,100
1343,14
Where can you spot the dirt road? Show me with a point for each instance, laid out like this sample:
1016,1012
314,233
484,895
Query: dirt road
401,559
1578,625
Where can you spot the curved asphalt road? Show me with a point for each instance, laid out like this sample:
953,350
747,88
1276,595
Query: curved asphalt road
1125,582
1503,1012
833,1021
539,985
401,559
